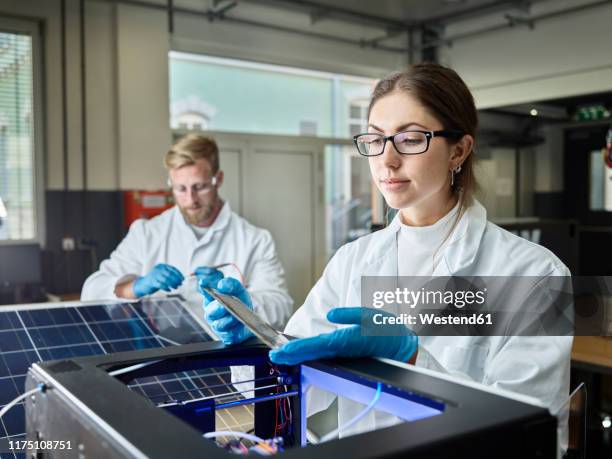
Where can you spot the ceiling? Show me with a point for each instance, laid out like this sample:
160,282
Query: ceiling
398,12
412,10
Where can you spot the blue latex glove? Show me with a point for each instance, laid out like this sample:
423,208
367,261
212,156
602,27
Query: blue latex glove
208,277
349,341
161,277
226,326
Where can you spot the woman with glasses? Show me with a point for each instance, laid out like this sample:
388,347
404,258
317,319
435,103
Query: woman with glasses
421,131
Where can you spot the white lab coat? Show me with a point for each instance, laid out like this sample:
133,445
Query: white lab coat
167,238
536,366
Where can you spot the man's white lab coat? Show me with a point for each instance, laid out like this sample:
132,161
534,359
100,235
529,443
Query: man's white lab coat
167,238
536,366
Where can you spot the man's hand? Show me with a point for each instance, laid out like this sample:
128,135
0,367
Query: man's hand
208,277
161,277
226,326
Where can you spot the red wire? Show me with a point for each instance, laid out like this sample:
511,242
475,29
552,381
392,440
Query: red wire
285,410
230,263
276,418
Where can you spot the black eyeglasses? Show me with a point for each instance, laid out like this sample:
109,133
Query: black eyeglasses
405,142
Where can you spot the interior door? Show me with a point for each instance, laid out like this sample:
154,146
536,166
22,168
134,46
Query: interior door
281,198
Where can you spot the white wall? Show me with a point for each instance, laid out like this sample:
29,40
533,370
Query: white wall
143,101
561,56
102,101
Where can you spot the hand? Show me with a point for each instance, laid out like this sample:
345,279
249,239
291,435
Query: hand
400,344
161,277
208,277
226,326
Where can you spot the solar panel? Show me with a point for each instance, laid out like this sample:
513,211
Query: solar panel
29,334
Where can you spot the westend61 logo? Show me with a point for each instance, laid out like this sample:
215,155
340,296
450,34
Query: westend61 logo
412,298
440,300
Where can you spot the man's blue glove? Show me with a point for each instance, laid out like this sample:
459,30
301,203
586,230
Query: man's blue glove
226,326
161,277
349,341
208,277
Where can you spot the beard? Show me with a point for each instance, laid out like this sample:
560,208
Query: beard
195,215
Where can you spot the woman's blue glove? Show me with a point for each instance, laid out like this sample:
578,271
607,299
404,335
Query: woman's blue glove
208,277
226,326
349,341
161,277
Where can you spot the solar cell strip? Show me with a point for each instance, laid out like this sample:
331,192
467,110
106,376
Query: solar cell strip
29,337
90,330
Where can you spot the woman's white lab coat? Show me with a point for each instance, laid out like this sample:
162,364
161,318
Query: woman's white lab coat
167,238
536,366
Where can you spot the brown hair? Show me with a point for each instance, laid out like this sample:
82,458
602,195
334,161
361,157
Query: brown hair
442,91
188,149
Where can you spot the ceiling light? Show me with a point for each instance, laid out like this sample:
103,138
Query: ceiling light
533,112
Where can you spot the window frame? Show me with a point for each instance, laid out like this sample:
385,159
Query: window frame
32,29
362,105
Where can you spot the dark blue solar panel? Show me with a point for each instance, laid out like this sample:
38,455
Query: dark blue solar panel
32,335
9,321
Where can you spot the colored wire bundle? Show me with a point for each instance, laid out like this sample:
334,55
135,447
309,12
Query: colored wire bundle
284,425
261,446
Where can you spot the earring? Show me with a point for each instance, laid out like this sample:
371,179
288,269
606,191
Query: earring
454,171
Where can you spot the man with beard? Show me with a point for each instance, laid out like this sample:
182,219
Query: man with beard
200,239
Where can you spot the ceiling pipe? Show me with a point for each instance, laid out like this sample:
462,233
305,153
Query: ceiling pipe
528,22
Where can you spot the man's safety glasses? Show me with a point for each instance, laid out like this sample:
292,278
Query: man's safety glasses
405,142
198,188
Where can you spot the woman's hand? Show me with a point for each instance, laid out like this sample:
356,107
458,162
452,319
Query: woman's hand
400,344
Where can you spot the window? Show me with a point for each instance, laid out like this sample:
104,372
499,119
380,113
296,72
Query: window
211,93
353,204
191,113
18,200
358,117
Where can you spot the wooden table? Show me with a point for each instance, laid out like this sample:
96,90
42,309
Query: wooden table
593,353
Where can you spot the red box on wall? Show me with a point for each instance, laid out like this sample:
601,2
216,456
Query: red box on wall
145,204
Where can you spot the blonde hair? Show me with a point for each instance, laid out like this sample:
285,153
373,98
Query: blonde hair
188,149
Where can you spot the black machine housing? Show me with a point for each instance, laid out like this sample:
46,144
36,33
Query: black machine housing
102,417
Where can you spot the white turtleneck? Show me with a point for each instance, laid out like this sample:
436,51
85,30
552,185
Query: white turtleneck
418,245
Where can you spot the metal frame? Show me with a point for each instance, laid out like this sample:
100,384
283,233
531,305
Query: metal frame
83,403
